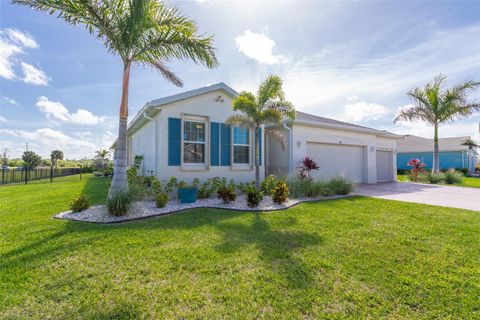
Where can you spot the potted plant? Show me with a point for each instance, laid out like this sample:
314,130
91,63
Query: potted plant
187,193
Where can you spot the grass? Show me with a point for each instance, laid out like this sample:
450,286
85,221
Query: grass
349,258
470,182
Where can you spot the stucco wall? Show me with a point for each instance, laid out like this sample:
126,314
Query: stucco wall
303,134
143,140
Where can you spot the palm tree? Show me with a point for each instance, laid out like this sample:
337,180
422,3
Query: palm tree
267,108
103,156
470,143
55,156
144,32
436,105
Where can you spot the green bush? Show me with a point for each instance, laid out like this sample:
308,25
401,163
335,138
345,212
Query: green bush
156,185
171,184
138,191
453,177
97,173
132,175
341,185
254,196
298,188
323,188
119,203
433,178
161,199
205,190
227,193
79,204
268,184
280,192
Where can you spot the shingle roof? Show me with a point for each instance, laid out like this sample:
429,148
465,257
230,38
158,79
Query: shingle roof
413,143
307,117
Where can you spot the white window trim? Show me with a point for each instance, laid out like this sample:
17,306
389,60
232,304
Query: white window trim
242,166
196,166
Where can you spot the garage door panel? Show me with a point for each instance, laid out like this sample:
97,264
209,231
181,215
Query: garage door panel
337,160
384,165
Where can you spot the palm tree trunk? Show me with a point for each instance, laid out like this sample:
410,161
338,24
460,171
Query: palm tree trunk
436,155
257,157
119,181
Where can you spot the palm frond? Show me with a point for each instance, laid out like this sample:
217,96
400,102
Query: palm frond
240,120
270,89
272,117
275,133
412,114
285,107
246,103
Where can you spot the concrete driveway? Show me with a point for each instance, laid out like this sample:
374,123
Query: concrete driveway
440,195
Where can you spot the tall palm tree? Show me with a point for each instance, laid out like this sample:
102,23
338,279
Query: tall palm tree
103,155
143,32
268,108
55,155
470,143
436,105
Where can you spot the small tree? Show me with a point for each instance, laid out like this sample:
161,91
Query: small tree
103,157
306,168
268,108
55,156
470,143
31,160
418,168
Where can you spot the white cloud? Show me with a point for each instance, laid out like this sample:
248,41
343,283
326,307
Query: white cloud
33,75
259,47
328,77
12,43
56,110
3,119
358,111
7,100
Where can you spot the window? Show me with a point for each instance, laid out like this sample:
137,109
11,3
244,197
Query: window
194,141
241,146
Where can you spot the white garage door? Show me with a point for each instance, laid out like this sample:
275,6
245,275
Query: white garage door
384,166
337,160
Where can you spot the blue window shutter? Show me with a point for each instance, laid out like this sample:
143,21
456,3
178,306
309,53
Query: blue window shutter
260,145
214,143
174,141
225,148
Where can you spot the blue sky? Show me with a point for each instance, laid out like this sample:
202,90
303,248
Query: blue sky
352,61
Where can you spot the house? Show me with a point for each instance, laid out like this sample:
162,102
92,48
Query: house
185,136
452,153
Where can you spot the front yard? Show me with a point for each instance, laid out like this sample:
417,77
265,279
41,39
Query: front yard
357,257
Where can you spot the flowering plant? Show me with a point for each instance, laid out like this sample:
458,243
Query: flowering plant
307,166
418,168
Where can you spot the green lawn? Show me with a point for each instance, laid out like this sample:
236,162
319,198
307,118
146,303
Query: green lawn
467,181
350,258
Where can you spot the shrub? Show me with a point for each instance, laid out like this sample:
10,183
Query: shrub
137,191
132,175
227,193
171,184
323,188
341,185
97,173
430,177
453,177
156,185
280,192
205,191
418,168
306,167
182,184
80,203
298,188
254,196
161,199
269,184
119,203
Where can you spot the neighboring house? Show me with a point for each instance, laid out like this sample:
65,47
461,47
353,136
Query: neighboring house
452,153
185,136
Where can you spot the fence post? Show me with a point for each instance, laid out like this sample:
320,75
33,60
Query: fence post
51,173
3,176
80,173
26,176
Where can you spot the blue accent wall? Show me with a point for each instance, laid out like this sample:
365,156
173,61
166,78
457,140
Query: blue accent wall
174,141
214,144
448,159
225,134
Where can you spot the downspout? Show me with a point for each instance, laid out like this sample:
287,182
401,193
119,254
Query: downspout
290,149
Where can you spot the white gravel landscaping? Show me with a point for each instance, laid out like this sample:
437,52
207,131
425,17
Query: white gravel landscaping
144,209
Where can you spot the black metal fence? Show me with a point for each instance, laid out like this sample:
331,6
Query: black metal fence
38,175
